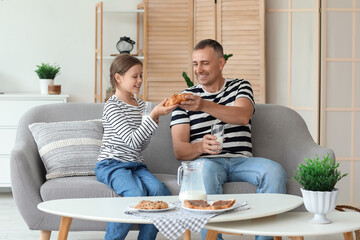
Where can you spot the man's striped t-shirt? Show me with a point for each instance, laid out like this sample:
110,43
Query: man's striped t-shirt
237,137
125,137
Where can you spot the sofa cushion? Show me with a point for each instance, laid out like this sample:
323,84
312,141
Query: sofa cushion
75,187
68,148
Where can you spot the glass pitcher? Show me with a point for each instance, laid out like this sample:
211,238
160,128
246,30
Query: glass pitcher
191,180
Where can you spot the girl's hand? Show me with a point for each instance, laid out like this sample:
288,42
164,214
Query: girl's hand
161,110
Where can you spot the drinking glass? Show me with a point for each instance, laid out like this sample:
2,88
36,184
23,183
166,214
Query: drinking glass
218,131
149,106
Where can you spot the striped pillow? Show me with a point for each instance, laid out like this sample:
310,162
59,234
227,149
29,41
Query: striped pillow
68,148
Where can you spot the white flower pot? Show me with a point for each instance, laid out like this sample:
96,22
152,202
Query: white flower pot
44,83
319,203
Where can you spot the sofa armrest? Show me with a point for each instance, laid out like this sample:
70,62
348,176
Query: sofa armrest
27,175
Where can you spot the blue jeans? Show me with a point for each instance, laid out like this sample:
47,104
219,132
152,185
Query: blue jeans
129,179
267,175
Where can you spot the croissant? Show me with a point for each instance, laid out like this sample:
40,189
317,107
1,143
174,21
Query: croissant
176,99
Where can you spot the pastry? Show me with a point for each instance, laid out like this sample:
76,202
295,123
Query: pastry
197,204
222,204
145,204
176,99
204,205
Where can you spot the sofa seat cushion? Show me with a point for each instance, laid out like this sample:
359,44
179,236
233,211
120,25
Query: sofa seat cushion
90,187
75,187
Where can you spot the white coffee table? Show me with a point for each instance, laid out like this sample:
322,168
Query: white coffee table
112,209
294,225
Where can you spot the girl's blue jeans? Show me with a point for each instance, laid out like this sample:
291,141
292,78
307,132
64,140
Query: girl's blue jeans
129,179
267,175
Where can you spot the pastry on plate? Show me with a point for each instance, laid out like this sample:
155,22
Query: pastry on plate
145,204
204,205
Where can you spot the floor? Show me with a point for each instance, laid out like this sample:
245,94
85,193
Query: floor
12,227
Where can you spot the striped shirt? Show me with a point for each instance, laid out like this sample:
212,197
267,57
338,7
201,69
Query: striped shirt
237,137
125,136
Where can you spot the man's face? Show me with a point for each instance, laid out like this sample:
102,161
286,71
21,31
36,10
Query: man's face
207,66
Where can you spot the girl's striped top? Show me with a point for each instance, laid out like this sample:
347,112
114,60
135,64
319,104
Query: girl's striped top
125,136
237,137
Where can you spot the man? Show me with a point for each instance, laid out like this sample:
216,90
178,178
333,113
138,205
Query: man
227,101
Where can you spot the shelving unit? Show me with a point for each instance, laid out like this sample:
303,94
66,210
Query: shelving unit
99,50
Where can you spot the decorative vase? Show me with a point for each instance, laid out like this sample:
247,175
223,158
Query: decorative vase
320,203
44,83
54,89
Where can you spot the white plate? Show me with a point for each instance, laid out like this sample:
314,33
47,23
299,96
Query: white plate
236,205
132,207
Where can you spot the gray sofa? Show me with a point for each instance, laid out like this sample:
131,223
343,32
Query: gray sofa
279,133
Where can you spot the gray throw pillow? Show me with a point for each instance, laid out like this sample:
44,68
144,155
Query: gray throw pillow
68,148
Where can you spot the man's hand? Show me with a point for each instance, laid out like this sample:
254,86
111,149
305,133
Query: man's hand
210,145
192,103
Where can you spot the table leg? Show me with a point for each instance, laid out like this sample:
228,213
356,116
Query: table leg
277,238
187,235
64,228
297,238
211,234
45,235
348,236
357,234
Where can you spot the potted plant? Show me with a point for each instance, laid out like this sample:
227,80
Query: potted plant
318,178
47,74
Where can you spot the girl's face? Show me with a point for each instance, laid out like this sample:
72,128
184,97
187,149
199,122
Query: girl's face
131,81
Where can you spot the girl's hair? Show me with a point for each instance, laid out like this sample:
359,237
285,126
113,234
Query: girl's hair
121,64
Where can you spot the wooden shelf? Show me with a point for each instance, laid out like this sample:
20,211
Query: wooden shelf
112,57
99,54
123,11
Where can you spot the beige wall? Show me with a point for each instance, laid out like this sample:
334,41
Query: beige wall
323,88
61,32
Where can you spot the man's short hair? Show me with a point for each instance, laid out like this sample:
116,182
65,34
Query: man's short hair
218,49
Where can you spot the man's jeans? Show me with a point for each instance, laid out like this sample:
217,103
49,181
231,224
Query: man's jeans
129,179
267,175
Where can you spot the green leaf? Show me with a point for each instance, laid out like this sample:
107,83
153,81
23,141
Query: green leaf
47,71
187,80
318,175
227,56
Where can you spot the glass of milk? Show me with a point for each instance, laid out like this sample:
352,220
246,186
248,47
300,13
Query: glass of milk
218,131
148,107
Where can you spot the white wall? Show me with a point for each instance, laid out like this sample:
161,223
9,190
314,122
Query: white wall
61,32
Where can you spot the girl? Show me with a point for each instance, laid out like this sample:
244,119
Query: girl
120,163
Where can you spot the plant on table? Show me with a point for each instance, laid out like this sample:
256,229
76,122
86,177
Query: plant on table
318,175
318,178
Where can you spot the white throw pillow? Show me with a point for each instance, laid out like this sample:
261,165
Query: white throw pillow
68,148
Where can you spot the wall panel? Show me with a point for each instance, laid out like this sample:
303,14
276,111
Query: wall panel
170,42
292,58
340,111
241,30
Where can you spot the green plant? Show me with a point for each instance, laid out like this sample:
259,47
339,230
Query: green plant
190,83
318,175
47,71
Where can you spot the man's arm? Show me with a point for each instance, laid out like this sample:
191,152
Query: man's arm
184,150
239,114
